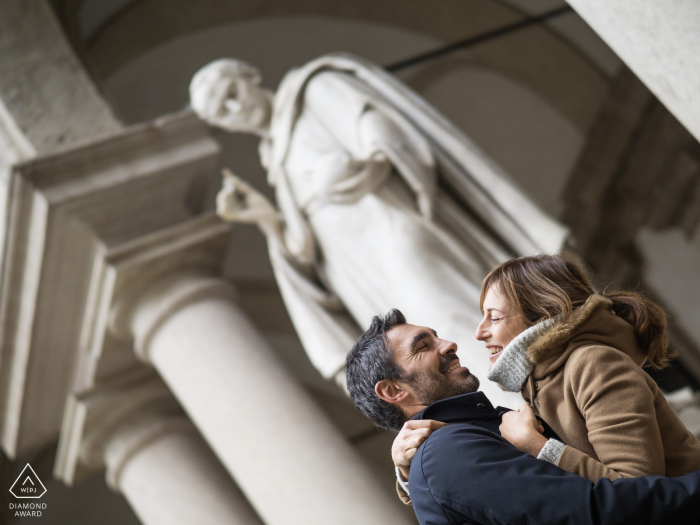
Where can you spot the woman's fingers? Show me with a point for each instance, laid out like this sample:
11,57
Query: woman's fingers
422,423
412,436
415,442
421,432
523,430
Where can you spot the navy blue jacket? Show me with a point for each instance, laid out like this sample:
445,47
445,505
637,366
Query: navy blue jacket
467,473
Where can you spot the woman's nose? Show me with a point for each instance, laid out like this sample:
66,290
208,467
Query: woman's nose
481,332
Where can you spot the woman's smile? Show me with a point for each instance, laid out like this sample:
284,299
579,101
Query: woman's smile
494,354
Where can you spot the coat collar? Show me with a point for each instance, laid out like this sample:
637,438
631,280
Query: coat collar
594,323
460,409
563,330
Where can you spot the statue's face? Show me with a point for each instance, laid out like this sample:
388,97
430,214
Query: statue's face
231,99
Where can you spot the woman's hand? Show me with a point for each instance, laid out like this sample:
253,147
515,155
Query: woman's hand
522,430
406,444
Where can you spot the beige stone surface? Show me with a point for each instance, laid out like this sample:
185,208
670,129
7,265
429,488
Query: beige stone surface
43,84
133,427
659,41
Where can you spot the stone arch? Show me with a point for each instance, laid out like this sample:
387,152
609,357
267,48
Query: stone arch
537,57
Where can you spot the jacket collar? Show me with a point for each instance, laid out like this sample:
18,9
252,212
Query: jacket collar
460,409
475,409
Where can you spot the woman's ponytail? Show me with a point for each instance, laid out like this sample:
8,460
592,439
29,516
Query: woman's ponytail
649,322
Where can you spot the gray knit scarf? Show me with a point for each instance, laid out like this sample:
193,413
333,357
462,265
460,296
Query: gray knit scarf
513,366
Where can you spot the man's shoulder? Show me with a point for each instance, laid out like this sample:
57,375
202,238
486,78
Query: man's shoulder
456,471
444,467
463,443
471,473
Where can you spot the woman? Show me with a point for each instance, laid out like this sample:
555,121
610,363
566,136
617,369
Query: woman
577,357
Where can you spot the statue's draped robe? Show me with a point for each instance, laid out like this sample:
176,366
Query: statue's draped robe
386,205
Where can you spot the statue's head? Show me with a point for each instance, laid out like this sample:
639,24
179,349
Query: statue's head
227,93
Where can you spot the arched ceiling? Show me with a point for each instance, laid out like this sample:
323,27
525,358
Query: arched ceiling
158,21
108,34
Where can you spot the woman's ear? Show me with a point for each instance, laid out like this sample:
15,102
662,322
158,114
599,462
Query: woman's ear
390,391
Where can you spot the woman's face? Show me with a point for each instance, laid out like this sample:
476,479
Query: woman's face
500,325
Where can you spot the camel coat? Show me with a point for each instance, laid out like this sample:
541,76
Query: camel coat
589,385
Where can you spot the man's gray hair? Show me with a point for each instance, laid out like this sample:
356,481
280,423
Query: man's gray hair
372,360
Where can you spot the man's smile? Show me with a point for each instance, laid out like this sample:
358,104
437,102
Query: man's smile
455,365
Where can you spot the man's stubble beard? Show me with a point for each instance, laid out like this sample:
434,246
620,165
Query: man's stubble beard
431,387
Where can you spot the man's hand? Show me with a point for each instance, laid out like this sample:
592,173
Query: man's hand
522,430
406,444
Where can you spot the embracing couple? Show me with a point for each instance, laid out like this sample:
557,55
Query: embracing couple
591,415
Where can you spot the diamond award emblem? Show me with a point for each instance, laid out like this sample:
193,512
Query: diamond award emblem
28,484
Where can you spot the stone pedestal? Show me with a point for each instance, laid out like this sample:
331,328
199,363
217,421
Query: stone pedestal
80,223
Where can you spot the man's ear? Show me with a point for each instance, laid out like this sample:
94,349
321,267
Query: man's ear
390,391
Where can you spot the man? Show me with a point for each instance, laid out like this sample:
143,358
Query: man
466,472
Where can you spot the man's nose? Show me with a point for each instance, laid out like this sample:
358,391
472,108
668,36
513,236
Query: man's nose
447,347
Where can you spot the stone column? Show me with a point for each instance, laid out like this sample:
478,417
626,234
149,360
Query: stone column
659,41
289,460
132,426
170,477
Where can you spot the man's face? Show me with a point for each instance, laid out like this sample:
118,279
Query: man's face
500,325
432,368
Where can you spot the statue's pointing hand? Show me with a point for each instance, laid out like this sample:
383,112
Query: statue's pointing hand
238,201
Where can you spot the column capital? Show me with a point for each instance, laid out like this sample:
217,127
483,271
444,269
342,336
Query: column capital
141,312
133,438
113,421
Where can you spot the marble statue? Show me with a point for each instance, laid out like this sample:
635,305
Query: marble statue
380,203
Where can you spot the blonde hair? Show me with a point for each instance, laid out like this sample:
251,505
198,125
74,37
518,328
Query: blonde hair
544,286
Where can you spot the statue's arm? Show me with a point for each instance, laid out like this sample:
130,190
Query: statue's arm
238,201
